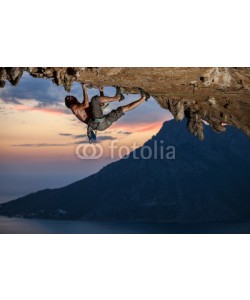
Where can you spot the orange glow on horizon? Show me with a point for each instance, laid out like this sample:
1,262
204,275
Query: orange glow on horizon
33,133
40,109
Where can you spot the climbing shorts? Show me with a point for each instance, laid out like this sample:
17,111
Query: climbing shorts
97,113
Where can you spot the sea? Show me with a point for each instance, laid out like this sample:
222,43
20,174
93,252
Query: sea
37,226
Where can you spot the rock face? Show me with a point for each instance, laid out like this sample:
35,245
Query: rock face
13,75
215,95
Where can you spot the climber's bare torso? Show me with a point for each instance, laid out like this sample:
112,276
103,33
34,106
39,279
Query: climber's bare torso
80,111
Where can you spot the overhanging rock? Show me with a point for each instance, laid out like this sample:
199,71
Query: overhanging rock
216,95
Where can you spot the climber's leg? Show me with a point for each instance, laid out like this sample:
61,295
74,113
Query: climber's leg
118,96
133,105
104,99
116,114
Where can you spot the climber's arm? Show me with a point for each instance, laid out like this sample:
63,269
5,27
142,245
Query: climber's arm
85,102
101,91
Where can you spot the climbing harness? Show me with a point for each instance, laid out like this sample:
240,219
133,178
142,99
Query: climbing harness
92,133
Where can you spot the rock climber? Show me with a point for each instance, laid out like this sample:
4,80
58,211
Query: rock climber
91,113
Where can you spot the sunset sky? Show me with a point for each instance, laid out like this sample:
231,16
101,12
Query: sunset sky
39,135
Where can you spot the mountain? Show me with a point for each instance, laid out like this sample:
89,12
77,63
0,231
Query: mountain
198,182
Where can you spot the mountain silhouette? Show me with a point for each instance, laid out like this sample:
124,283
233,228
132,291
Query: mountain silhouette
193,182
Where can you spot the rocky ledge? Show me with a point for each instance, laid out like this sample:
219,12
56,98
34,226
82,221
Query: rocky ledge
216,95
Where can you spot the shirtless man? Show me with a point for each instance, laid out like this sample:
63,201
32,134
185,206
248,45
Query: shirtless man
91,113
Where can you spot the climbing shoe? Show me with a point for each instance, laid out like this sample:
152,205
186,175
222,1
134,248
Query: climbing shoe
144,94
119,93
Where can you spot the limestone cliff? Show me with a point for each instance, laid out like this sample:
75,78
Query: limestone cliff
216,95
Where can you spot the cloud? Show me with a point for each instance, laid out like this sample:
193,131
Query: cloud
105,138
43,90
98,139
41,145
124,132
11,100
46,104
81,142
50,110
66,134
84,139
80,136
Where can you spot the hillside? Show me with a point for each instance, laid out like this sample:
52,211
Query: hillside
207,181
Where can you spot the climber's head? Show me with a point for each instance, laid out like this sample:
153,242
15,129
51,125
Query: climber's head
69,100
